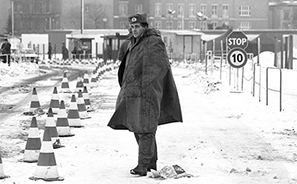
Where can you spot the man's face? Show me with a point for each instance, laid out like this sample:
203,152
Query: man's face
136,29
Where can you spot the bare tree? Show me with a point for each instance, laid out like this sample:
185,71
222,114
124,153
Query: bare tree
95,12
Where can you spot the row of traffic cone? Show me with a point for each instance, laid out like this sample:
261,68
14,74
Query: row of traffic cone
46,167
42,152
54,103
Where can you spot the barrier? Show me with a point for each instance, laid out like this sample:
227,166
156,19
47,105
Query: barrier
280,86
254,80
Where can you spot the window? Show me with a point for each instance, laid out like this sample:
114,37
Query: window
179,25
214,11
169,6
225,11
214,24
192,11
47,6
123,8
203,9
244,11
286,15
123,25
31,8
204,25
180,10
138,8
158,10
245,25
192,24
158,25
169,25
25,8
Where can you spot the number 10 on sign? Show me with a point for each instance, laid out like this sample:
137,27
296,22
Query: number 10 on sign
237,57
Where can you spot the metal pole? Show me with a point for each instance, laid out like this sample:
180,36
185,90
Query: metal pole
82,16
12,18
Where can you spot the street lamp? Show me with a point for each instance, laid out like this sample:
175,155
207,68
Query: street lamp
170,12
201,17
12,18
104,21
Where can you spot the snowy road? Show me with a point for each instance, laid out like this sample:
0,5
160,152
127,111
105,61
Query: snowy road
225,138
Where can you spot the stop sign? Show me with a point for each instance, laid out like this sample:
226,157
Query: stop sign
237,39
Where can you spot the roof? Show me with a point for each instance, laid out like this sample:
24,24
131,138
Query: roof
183,32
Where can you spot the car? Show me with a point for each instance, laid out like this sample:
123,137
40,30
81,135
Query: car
26,54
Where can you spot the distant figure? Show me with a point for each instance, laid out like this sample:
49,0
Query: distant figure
64,52
74,52
49,51
5,49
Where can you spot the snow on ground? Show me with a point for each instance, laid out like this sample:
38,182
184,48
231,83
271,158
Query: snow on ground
226,136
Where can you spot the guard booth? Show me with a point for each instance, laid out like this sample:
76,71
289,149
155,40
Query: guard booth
111,46
80,48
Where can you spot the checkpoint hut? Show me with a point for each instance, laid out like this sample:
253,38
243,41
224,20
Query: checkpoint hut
182,44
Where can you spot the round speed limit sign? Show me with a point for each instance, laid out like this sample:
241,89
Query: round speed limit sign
237,57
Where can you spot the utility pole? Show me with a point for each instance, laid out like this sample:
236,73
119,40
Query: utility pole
12,18
82,16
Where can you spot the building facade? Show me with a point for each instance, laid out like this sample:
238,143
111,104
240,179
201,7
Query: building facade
5,11
35,16
124,8
216,14
283,15
98,14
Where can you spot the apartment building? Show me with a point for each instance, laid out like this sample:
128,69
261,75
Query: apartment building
216,14
124,8
34,16
283,15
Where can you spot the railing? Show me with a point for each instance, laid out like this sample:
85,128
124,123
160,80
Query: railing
280,85
254,80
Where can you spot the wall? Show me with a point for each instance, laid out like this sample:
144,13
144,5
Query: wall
5,9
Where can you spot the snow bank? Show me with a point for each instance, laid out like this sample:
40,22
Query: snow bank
17,70
266,59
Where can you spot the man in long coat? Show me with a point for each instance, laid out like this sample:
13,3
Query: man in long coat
6,51
148,95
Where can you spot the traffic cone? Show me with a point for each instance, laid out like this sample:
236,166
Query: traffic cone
65,84
34,101
46,166
86,81
2,175
54,103
86,98
62,122
33,144
73,115
79,83
82,110
51,125
93,79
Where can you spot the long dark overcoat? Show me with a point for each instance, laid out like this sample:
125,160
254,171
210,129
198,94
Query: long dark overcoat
148,95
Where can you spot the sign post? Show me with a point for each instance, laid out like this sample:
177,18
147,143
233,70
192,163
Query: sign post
237,41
